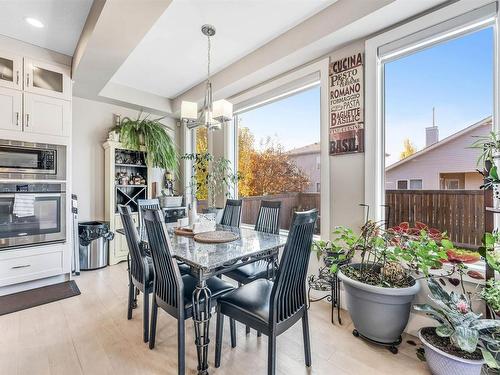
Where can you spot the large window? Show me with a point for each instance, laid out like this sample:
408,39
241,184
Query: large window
279,155
437,100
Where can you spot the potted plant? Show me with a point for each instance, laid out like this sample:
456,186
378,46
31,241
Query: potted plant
150,133
491,295
491,249
489,159
334,252
462,341
211,176
381,285
489,147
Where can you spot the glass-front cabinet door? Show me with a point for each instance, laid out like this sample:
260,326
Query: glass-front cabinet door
47,79
10,70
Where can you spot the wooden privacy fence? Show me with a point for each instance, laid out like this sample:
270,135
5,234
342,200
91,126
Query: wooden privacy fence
460,213
290,202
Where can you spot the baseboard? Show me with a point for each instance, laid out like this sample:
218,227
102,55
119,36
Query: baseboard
9,289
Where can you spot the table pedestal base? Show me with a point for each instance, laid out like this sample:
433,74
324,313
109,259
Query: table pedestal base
201,318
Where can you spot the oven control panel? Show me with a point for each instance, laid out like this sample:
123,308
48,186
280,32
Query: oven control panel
32,188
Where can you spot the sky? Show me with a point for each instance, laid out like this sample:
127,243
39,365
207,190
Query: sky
293,121
455,77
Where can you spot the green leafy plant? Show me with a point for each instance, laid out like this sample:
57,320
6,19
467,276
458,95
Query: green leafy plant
488,145
491,295
464,328
490,178
392,258
490,250
340,249
218,175
161,150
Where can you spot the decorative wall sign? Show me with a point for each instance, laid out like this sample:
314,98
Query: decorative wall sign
347,118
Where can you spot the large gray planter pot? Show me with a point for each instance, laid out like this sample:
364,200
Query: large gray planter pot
441,363
379,314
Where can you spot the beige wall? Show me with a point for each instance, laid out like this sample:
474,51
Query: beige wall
91,123
347,172
455,156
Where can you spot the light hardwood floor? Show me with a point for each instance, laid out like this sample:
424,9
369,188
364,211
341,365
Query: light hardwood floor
90,334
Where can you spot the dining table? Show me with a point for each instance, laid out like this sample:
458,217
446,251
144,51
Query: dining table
207,260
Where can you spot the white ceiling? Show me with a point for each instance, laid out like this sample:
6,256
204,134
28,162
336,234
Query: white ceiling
172,56
63,20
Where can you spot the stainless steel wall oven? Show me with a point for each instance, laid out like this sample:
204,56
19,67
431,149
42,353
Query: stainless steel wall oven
32,213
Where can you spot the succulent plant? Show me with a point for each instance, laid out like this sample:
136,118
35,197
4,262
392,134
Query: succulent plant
465,328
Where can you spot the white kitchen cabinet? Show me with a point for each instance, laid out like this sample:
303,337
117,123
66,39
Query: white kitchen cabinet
11,74
11,107
21,265
46,115
47,79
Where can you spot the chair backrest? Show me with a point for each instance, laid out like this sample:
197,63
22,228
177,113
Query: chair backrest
138,268
232,213
289,290
145,204
168,285
268,219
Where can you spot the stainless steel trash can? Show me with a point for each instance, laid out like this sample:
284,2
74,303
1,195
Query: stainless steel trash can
94,237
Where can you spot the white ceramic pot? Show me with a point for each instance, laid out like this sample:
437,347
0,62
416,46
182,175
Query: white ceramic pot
442,363
496,195
114,136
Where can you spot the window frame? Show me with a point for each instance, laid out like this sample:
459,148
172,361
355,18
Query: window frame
455,20
448,180
416,179
403,180
315,73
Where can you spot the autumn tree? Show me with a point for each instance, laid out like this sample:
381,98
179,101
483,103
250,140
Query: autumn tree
273,172
408,149
201,148
245,151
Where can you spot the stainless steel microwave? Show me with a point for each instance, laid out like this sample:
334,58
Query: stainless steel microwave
23,160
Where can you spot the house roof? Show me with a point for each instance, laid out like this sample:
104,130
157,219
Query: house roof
441,143
308,149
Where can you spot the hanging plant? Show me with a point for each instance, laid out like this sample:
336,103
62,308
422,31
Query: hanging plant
150,133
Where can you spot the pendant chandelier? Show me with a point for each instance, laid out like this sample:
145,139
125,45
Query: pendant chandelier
213,114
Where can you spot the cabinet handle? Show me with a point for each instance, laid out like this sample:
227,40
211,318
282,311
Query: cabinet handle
23,266
17,118
17,77
27,119
27,79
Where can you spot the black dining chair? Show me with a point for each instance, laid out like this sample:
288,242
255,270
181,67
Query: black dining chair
144,204
153,204
140,268
268,221
171,291
273,307
232,213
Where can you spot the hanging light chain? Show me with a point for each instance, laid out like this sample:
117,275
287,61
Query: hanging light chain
208,59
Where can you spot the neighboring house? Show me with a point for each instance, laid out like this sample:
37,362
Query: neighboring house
307,158
446,164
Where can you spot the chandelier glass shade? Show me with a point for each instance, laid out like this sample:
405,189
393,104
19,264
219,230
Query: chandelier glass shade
212,114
